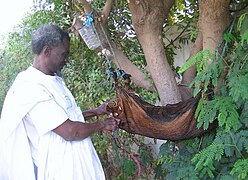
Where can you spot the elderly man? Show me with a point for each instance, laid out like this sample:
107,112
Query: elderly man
43,134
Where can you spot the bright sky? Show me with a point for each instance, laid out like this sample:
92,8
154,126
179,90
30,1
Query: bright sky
11,13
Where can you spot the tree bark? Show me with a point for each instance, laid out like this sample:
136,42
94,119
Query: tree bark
148,18
213,21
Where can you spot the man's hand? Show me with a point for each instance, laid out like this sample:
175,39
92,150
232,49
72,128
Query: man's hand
110,124
98,111
102,109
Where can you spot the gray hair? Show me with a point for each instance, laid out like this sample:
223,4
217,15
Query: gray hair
47,35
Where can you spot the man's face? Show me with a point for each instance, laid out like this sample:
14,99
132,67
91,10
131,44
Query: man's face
58,57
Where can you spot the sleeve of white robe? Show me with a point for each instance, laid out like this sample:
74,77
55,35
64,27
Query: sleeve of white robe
46,116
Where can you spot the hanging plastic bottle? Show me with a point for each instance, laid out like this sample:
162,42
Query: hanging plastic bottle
88,34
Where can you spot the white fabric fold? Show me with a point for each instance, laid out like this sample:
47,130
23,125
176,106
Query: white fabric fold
14,146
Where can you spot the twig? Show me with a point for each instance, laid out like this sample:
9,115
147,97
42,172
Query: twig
117,142
221,79
171,42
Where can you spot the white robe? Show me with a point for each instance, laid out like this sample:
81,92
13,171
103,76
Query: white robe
56,158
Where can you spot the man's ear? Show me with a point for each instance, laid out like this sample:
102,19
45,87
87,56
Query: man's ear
46,50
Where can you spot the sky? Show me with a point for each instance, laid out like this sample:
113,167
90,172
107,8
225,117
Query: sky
11,13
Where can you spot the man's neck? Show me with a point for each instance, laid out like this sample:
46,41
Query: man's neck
40,66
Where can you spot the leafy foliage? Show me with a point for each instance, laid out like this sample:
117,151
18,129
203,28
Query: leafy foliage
224,156
200,59
14,58
174,163
221,106
240,167
206,157
238,76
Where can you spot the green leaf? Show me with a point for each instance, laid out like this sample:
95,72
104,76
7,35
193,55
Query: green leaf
187,173
226,177
205,159
229,37
238,81
128,167
205,113
200,59
240,168
244,37
227,112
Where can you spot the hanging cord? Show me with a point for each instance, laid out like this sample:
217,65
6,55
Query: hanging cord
229,30
111,47
105,52
111,71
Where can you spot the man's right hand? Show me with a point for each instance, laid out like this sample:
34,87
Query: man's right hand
110,124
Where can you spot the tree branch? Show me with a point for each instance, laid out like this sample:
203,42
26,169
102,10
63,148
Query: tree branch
167,5
172,41
106,11
221,79
87,6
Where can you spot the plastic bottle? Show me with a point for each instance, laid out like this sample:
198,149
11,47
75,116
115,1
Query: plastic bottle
89,36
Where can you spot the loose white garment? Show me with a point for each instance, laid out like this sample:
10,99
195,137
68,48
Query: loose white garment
35,104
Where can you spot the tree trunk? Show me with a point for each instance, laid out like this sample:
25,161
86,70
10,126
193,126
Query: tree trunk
148,19
214,20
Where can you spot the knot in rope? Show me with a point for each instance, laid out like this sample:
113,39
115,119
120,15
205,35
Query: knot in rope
88,19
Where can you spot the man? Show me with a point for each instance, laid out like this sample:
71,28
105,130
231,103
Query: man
43,134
